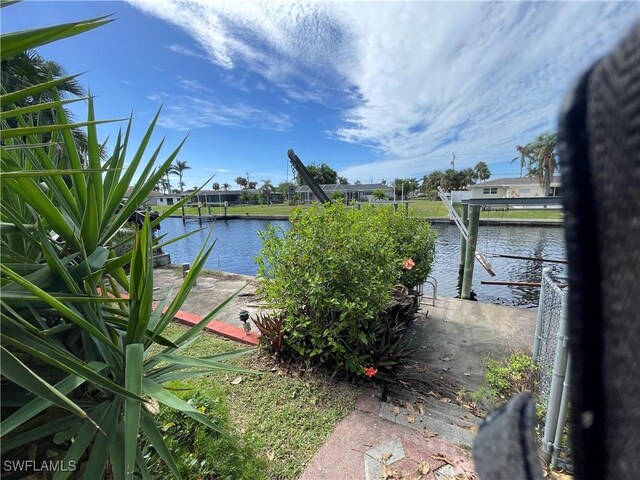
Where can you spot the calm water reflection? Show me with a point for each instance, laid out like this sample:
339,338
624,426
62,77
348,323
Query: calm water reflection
237,244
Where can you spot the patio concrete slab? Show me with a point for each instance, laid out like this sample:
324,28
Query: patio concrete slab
455,336
212,289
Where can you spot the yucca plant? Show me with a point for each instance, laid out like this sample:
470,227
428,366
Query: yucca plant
83,356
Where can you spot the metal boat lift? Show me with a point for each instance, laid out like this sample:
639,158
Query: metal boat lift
307,178
463,229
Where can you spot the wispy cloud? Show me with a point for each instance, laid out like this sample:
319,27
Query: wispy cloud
416,81
186,112
182,50
193,86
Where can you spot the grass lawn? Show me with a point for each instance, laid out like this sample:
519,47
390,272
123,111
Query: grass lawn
427,208
287,416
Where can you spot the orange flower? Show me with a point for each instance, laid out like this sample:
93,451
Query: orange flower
408,264
370,371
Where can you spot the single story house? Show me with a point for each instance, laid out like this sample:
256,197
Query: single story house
152,199
362,192
211,197
521,187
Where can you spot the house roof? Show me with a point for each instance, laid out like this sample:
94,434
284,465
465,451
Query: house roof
506,182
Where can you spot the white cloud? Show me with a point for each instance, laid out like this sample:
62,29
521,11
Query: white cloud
186,112
182,50
415,80
193,86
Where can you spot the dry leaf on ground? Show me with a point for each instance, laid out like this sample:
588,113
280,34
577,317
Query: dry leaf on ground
236,381
420,408
423,468
429,434
442,458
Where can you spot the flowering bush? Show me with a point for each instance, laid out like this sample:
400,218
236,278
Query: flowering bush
369,371
415,243
331,278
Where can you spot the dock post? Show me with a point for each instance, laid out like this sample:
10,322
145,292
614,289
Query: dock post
474,221
406,208
183,219
209,208
199,214
226,204
463,241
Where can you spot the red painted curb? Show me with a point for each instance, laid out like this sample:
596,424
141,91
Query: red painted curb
219,328
214,326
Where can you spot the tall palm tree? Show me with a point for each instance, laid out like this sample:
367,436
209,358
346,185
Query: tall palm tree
482,171
226,186
242,182
179,168
525,153
467,177
266,189
215,186
542,159
171,170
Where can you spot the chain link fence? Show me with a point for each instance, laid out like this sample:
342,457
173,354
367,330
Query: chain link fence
548,323
551,354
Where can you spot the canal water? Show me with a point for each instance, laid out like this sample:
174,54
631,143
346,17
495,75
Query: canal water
237,245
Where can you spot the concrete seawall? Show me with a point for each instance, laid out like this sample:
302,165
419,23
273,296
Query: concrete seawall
483,221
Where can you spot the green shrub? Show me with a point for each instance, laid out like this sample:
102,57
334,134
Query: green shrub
200,452
415,240
513,374
332,275
337,196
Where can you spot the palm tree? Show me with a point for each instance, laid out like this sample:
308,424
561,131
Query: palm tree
482,171
242,182
433,180
542,159
179,168
171,170
215,186
323,174
266,189
467,177
28,69
379,194
524,156
226,186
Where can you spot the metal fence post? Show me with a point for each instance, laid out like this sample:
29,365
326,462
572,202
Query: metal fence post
555,394
562,415
537,339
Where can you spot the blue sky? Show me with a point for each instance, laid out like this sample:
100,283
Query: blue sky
378,90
